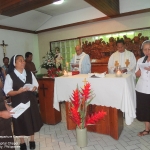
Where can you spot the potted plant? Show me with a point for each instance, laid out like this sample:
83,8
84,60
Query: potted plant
79,102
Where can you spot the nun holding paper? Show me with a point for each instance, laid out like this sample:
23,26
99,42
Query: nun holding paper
30,121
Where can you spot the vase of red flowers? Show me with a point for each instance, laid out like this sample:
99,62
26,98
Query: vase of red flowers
79,102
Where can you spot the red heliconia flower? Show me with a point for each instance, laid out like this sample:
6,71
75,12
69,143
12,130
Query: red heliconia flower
86,91
95,118
75,116
78,107
75,98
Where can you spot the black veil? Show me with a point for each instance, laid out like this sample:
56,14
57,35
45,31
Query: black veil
11,65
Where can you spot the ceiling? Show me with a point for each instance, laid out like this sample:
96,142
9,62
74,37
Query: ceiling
36,15
67,6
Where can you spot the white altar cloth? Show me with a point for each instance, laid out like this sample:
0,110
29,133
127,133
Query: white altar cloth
111,91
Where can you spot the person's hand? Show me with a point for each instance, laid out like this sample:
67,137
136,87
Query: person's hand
147,68
75,65
9,108
34,88
138,73
21,90
124,70
34,71
6,114
115,70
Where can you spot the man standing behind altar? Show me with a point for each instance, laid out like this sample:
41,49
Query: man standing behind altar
81,61
122,58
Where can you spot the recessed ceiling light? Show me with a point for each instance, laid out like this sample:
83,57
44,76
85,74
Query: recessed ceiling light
59,2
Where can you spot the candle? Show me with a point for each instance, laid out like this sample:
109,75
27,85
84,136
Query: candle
118,74
65,73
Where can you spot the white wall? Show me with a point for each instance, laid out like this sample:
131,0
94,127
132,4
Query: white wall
111,25
19,43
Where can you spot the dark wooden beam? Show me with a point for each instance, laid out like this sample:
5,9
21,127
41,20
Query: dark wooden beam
17,29
108,7
15,7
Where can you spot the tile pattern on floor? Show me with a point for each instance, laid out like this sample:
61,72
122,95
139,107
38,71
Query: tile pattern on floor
57,137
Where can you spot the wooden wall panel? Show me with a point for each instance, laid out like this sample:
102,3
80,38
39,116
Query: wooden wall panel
15,7
108,7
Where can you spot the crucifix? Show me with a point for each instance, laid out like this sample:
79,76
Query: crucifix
4,47
127,62
43,88
116,64
84,81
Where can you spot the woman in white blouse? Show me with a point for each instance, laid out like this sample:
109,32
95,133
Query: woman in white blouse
143,88
30,121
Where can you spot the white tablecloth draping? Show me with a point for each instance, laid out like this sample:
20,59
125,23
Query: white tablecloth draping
111,91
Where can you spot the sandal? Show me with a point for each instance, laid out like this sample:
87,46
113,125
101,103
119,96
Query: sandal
143,133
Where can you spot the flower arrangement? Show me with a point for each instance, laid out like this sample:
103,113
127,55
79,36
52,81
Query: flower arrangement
49,61
54,72
78,107
50,64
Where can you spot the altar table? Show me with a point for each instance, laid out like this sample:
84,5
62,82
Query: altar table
115,93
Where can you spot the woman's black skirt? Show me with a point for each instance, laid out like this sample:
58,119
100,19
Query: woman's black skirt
143,107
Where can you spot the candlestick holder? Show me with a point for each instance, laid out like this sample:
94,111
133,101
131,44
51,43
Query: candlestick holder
118,72
65,71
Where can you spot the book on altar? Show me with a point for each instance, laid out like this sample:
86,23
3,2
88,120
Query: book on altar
96,75
19,109
30,86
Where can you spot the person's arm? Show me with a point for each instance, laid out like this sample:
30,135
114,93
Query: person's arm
111,67
8,87
138,73
21,90
4,72
6,114
9,108
86,65
34,69
137,70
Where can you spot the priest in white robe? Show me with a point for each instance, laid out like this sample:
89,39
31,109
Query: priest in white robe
122,58
81,61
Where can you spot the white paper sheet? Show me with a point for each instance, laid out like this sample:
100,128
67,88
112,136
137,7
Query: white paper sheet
19,109
143,65
30,86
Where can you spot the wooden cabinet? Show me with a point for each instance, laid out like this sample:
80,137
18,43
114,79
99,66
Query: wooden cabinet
98,68
46,93
99,65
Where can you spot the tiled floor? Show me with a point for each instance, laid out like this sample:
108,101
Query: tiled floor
57,137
